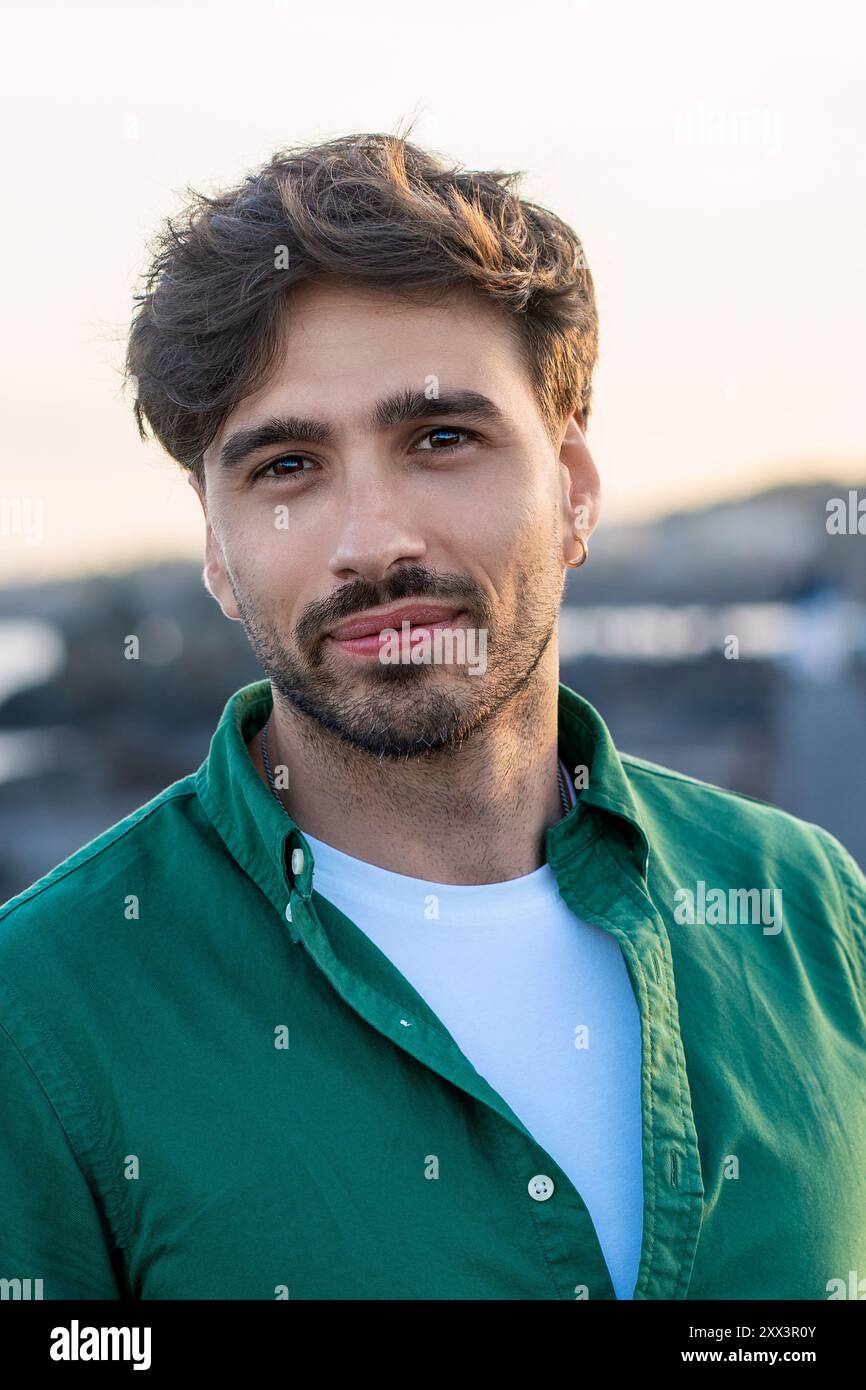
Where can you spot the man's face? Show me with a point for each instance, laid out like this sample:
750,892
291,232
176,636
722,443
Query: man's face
463,508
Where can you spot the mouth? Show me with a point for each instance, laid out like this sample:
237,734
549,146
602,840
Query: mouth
362,636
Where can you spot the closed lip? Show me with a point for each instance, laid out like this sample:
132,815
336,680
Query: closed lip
368,624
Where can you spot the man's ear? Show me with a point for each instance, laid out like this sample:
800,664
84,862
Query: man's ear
215,577
214,574
581,486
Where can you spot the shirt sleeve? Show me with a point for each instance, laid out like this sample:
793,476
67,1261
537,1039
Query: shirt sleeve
852,886
50,1226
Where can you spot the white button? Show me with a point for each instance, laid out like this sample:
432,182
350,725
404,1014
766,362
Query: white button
288,912
297,861
541,1187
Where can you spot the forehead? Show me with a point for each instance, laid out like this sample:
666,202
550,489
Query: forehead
317,306
343,346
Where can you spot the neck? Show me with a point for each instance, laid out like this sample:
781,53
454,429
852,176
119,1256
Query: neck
479,815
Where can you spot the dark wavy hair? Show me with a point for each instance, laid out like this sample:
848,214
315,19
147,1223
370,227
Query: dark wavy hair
373,210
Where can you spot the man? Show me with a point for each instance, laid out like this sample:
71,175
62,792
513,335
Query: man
418,988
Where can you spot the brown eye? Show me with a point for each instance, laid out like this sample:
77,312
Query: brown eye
281,463
446,430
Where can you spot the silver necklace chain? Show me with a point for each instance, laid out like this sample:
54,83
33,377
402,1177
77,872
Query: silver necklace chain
566,806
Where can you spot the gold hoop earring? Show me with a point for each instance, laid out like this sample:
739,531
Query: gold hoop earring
575,564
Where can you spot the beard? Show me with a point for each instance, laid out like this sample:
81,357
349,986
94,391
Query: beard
395,711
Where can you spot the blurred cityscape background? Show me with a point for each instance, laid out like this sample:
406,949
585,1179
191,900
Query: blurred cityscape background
86,735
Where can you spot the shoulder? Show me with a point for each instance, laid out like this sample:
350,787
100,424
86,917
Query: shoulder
662,791
750,841
82,886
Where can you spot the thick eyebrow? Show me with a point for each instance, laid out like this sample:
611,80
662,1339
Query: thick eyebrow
396,409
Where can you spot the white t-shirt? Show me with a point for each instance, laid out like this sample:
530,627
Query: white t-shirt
523,985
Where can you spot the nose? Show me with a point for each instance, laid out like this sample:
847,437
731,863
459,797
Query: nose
377,530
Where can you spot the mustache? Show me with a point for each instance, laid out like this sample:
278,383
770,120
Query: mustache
412,581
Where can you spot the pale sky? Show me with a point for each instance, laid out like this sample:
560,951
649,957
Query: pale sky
710,157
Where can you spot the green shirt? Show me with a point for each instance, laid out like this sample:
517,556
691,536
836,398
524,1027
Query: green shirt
214,1085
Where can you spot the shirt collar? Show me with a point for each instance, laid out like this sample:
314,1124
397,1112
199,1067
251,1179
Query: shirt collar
261,836
585,741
